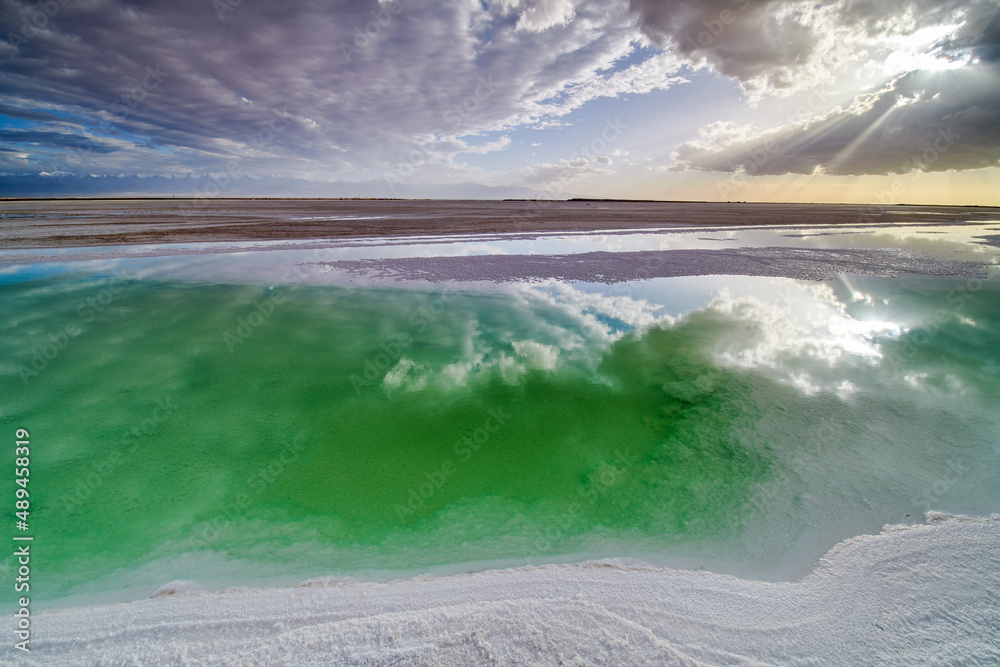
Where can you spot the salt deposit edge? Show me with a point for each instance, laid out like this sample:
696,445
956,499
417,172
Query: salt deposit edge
924,594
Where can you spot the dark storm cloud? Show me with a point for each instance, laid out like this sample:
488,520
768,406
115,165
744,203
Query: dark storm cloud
743,39
774,44
926,120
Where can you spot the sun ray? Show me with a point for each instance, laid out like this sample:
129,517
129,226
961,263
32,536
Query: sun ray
849,150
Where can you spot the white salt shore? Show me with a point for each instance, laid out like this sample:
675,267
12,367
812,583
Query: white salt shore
913,595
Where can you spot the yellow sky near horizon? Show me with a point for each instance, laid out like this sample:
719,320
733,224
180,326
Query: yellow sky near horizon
976,187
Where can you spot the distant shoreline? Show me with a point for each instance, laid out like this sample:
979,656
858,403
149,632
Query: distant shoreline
79,222
505,199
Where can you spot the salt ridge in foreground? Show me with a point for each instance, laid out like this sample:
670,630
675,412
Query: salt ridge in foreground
923,594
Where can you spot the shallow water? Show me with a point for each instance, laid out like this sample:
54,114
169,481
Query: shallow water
197,417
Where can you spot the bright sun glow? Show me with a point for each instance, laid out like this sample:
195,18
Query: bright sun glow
916,52
904,61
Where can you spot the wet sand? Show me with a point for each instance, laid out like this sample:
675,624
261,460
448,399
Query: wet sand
106,222
610,267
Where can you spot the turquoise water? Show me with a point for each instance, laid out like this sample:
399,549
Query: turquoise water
235,433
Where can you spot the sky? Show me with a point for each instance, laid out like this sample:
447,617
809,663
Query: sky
866,101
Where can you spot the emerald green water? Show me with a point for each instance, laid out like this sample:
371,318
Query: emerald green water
355,429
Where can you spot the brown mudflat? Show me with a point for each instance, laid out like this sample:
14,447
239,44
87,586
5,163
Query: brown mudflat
99,222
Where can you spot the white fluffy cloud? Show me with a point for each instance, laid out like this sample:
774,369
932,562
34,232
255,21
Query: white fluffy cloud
539,15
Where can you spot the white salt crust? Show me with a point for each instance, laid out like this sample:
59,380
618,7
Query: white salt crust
913,595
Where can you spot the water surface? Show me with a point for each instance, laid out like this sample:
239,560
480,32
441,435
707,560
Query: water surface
266,415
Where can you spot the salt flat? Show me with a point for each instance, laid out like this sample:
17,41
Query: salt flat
914,595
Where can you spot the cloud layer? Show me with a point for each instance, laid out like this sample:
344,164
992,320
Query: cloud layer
320,89
940,113
415,89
